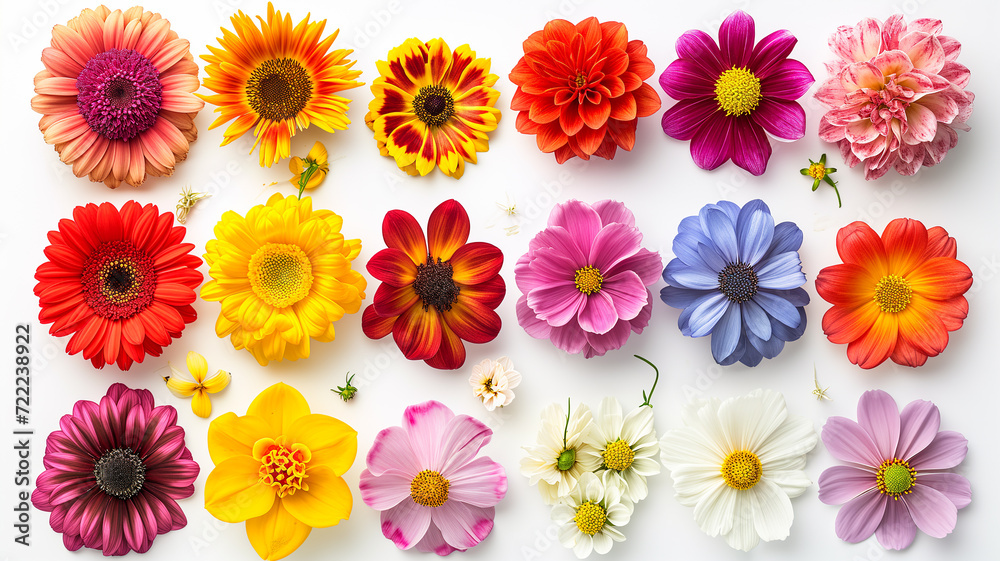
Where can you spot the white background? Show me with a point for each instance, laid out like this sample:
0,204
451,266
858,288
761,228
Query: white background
657,180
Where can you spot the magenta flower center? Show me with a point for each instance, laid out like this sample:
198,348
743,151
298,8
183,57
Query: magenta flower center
434,105
434,284
118,280
429,488
120,473
737,91
119,93
738,282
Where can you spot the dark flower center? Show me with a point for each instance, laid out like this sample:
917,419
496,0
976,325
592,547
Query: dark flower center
738,282
119,93
278,89
435,286
118,280
120,473
434,105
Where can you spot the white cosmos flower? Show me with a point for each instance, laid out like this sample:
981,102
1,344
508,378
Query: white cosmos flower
738,462
493,382
624,449
589,518
559,441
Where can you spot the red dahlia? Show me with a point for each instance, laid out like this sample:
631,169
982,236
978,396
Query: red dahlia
581,90
121,282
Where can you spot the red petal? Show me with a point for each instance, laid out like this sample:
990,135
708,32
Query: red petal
622,133
418,332
857,243
845,284
844,325
647,100
472,321
875,346
588,140
595,114
392,266
476,262
489,293
905,241
940,244
401,231
941,278
109,223
392,301
451,353
921,327
374,325
447,229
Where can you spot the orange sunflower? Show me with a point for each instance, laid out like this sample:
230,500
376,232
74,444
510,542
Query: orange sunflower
277,79
894,297
433,107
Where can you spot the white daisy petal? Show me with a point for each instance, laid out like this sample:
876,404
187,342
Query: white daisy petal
743,535
602,543
692,482
714,512
795,438
584,545
772,511
793,481
562,514
646,466
610,417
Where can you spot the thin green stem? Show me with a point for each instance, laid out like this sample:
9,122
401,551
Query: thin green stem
646,398
305,177
566,428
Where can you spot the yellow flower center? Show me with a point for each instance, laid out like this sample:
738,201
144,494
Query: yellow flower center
434,105
618,456
741,470
429,488
895,477
892,294
580,80
280,274
278,89
590,518
588,280
817,171
281,466
737,91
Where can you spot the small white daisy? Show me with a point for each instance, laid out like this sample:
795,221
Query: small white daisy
738,462
589,518
493,382
624,449
560,456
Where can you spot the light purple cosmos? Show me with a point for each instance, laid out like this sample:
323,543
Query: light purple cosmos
896,479
730,93
434,493
584,279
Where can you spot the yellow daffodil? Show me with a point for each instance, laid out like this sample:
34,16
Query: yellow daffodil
196,385
315,167
279,469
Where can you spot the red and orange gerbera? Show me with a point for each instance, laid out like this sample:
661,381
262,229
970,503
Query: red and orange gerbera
436,293
896,296
433,107
581,89
121,282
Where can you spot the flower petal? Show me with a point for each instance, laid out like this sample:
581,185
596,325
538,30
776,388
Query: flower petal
393,266
401,231
279,405
848,442
463,526
951,485
780,118
332,442
476,262
230,436
858,519
234,492
447,229
839,484
418,332
736,35
946,451
481,482
326,502
406,523
932,511
276,534
878,414
897,529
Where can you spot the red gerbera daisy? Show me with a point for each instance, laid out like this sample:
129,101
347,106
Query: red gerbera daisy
120,281
436,293
114,472
581,90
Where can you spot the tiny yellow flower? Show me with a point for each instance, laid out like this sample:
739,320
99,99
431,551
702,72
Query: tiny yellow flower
182,385
308,173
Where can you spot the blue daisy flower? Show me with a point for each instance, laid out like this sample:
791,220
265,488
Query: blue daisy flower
737,277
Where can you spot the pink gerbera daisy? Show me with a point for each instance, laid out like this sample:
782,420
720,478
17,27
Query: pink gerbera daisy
114,472
896,480
425,478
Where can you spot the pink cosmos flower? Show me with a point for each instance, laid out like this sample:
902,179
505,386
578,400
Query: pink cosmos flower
896,95
584,279
113,473
425,478
896,480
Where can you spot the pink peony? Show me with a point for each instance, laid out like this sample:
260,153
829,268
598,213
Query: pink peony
896,95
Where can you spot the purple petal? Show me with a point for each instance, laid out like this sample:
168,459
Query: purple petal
425,425
754,230
726,333
386,490
947,450
684,79
750,149
878,414
756,320
433,542
711,144
612,244
839,484
722,230
897,529
527,319
686,117
627,292
787,237
703,315
781,272
579,219
598,314
700,48
463,437
918,425
613,211
780,118
601,343
682,297
736,39
406,523
858,519
788,80
463,526
680,275
645,263
951,485
778,308
933,512
481,482
848,442
557,305
770,347
770,51
570,338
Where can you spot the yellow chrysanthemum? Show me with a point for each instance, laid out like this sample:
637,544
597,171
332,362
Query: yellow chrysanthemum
433,107
277,79
283,275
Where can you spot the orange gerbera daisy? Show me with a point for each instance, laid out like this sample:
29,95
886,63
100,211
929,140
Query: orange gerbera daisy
277,79
896,296
117,95
433,107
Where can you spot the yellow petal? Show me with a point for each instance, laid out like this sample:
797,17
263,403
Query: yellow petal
201,405
216,382
332,442
276,534
234,493
295,166
230,436
179,383
280,405
327,502
316,178
197,366
318,153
